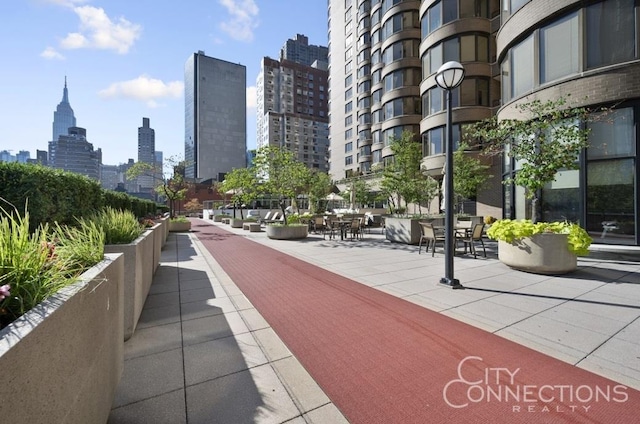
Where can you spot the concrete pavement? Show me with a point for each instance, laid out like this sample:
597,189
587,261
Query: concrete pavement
202,353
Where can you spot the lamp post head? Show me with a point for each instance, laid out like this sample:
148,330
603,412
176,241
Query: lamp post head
450,75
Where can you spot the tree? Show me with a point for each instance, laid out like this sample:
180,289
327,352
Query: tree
404,177
281,174
174,188
193,205
548,138
243,185
469,175
318,186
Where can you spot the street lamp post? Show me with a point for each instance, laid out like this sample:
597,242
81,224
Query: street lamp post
448,77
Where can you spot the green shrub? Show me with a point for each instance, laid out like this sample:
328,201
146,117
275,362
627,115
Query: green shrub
119,226
511,230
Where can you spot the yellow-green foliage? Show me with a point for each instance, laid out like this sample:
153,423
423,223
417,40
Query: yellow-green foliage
511,230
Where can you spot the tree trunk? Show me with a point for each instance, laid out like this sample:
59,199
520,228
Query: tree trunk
534,209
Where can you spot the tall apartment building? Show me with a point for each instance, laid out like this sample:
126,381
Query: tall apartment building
384,55
63,117
146,153
215,117
73,153
292,109
300,51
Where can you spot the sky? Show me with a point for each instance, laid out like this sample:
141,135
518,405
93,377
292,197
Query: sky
124,60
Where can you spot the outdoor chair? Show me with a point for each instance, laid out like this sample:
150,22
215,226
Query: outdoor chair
430,237
261,221
356,228
472,238
318,225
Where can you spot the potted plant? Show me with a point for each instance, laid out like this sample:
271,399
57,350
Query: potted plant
283,176
543,247
179,224
124,234
61,299
548,138
404,180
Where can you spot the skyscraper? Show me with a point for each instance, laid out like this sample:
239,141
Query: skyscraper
384,56
215,117
300,51
63,117
73,153
146,153
292,109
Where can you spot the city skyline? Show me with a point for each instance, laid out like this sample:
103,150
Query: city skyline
124,61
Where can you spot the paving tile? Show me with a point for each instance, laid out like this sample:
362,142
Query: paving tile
149,376
197,295
158,316
263,400
271,345
217,358
159,338
206,307
305,392
161,299
325,414
212,327
253,319
567,338
168,408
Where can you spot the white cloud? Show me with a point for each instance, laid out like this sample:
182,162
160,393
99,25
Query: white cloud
51,53
243,20
144,89
98,31
67,3
252,97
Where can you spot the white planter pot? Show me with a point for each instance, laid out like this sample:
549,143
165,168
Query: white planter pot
138,275
175,226
287,232
402,230
61,362
236,223
158,243
540,254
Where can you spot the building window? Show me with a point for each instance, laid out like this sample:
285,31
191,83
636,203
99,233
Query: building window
559,49
348,147
348,160
348,120
610,32
348,134
522,73
348,107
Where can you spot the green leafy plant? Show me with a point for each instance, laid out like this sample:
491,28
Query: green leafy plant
179,219
36,264
119,227
546,138
512,230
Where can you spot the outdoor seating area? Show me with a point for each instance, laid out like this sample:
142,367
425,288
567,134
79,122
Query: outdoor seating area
465,232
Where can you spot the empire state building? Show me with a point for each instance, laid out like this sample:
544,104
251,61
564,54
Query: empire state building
63,117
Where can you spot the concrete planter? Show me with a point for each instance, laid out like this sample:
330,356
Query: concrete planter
218,218
62,361
287,232
402,230
164,222
176,226
236,222
540,254
158,242
138,275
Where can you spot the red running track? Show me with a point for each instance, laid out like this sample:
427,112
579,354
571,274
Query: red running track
381,359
